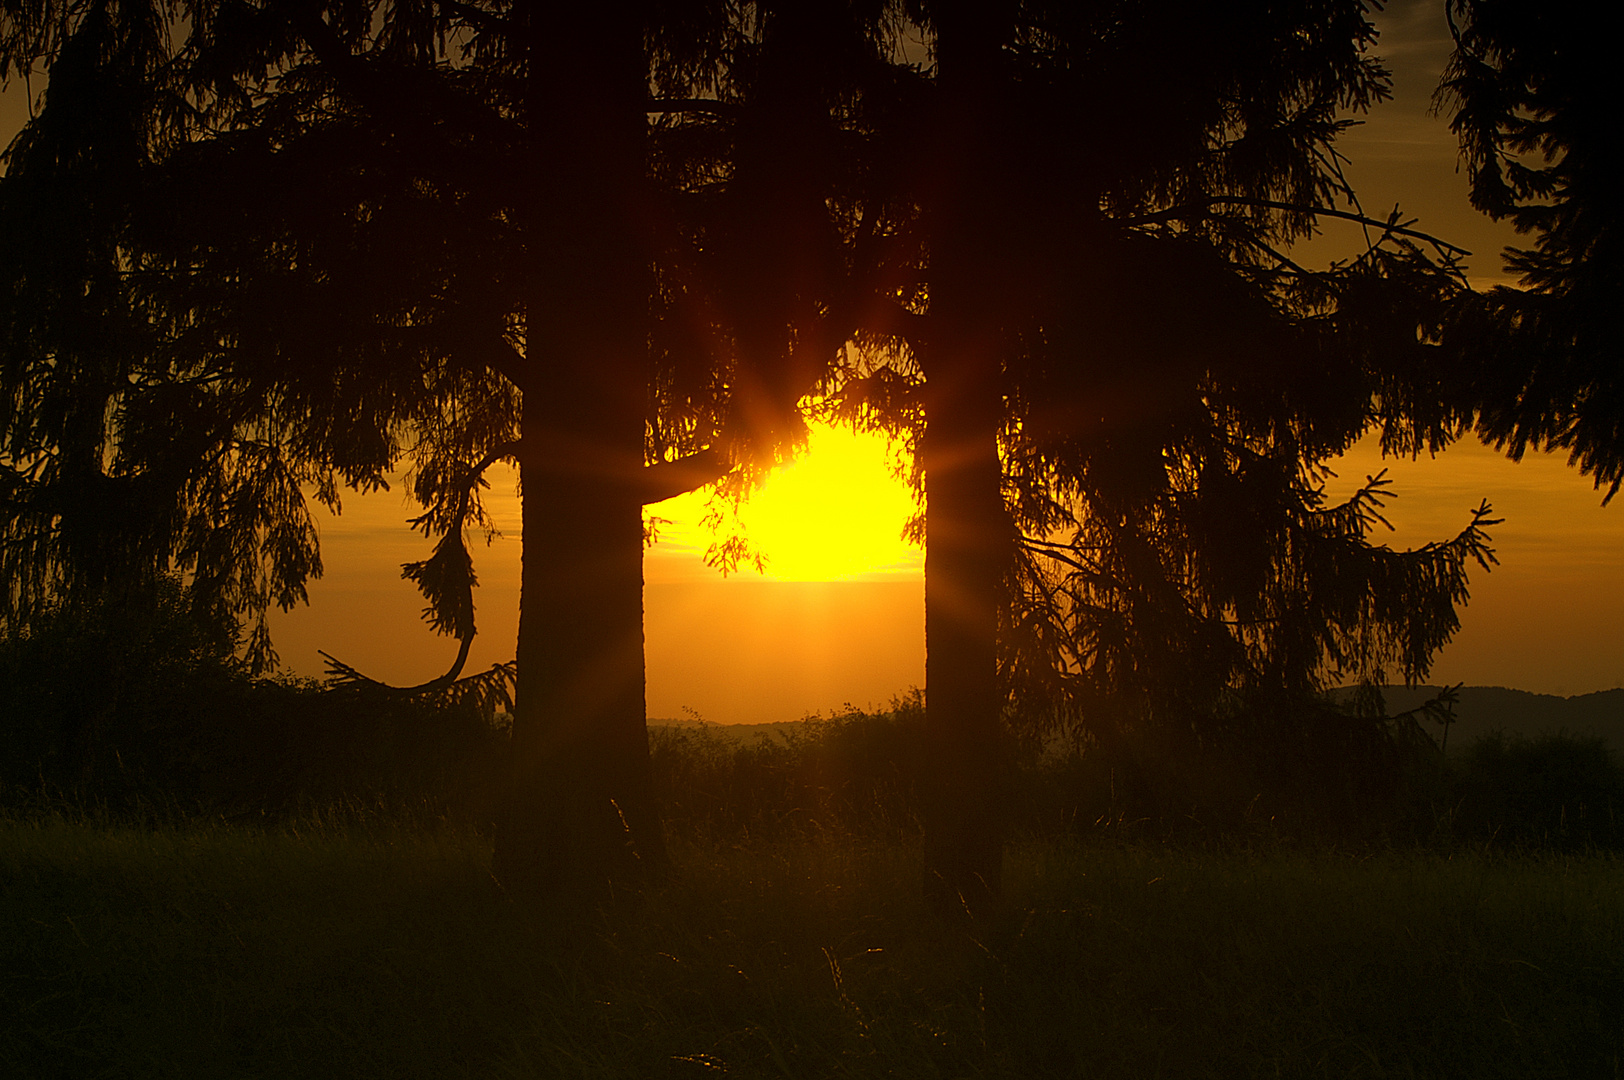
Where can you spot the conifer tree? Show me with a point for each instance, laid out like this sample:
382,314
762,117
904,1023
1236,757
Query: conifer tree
271,249
1535,107
1121,386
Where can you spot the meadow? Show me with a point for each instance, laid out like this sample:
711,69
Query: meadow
791,939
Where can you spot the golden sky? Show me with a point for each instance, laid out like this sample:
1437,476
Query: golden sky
756,648
837,617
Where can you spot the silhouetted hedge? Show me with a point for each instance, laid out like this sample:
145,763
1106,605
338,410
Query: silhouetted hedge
855,773
139,706
103,699
1555,791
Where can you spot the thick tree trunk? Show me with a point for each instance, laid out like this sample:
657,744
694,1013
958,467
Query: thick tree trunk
580,815
965,538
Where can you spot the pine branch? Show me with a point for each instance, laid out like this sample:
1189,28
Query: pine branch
482,21
1392,226
343,675
491,690
354,77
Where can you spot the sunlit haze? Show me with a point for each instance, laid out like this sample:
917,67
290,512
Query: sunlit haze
836,618
834,513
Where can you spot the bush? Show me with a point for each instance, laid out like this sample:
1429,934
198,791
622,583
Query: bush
853,773
1303,767
280,746
1559,791
104,697
138,703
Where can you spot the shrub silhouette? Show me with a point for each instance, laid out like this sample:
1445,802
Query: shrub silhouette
1557,791
137,702
854,773
105,698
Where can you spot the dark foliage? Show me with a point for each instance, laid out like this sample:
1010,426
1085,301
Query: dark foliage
1124,394
1534,100
253,255
142,711
1309,768
137,706
1555,791
852,774
104,699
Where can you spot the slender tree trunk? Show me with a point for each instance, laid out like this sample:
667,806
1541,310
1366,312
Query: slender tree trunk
580,815
963,568
965,539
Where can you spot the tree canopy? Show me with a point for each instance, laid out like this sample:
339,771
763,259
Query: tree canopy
1122,390
254,251
1535,107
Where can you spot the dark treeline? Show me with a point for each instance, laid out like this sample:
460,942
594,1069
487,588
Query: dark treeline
858,774
139,713
138,708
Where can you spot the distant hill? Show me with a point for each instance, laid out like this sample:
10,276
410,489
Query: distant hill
1484,709
781,731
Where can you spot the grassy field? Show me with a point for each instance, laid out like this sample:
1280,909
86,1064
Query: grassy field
342,950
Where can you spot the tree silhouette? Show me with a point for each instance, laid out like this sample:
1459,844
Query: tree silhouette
270,250
1122,387
1535,110
620,244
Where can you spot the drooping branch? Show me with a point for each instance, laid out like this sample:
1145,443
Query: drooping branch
491,690
446,580
343,66
1201,207
1440,709
342,674
497,453
482,21
355,78
1053,549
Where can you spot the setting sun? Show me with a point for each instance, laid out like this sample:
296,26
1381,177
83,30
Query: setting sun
835,513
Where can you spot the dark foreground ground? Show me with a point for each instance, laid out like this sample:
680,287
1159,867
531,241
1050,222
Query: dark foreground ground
327,950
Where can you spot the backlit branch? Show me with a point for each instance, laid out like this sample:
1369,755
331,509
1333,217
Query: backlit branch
446,579
1392,226
668,479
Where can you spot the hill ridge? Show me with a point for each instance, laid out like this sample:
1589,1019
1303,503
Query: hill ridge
1481,711
1485,709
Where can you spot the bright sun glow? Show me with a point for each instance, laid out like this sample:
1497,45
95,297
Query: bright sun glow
836,512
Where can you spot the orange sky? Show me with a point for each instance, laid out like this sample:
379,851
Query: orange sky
748,649
740,649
